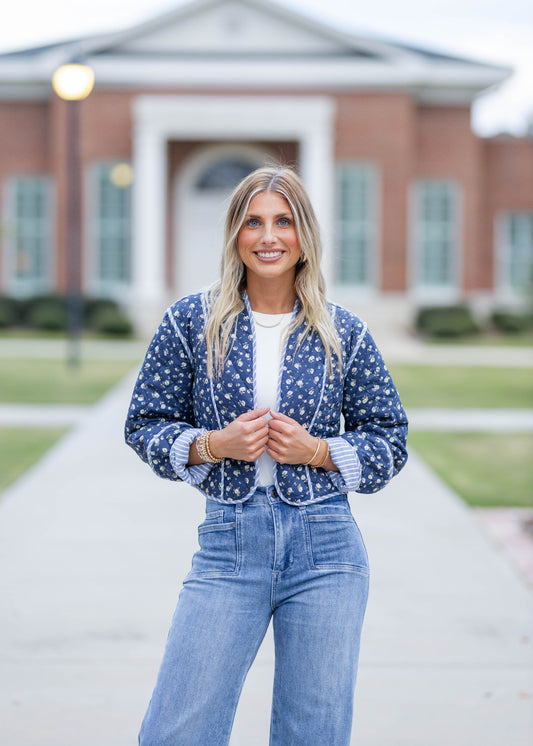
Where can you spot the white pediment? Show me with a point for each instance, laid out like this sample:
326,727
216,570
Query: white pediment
252,45
229,27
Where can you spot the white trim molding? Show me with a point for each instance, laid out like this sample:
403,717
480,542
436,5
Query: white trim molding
307,120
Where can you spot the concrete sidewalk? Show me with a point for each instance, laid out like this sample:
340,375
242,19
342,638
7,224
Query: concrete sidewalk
420,418
93,548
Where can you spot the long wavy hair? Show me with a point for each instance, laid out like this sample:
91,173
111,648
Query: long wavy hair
225,296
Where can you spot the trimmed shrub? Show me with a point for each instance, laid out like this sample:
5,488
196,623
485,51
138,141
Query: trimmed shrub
10,311
92,307
112,321
446,321
47,313
512,322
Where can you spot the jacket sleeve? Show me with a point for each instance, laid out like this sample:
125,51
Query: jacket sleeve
374,418
161,405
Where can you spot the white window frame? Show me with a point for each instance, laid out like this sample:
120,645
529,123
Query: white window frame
503,249
97,285
428,292
368,227
13,284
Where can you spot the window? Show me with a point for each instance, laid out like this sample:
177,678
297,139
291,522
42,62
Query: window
517,251
356,222
435,234
111,225
225,173
28,234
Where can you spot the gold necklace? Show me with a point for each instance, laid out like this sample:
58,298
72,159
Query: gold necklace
268,326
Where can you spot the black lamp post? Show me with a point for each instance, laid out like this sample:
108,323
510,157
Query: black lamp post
73,83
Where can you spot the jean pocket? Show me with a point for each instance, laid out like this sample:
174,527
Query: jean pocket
219,552
335,542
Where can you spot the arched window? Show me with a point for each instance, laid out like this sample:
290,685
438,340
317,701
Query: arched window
224,173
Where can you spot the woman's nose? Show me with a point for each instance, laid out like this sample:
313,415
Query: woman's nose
268,234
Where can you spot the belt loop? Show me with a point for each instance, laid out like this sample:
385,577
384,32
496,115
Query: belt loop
238,507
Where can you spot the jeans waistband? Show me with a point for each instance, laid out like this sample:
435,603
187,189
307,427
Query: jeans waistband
265,495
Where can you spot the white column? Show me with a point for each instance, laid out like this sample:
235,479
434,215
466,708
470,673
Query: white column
318,173
309,120
149,293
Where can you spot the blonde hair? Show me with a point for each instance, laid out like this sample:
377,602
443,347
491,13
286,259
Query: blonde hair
225,297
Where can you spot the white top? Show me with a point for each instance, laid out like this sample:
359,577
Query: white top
268,339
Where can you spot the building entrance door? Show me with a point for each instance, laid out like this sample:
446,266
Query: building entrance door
202,209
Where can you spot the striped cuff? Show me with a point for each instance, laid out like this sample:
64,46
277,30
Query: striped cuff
179,455
345,458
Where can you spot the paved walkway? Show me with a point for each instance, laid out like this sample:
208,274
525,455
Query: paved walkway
420,418
92,551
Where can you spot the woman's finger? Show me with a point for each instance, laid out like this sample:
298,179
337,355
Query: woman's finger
253,414
280,426
283,418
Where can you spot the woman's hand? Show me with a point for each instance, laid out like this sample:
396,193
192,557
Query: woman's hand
289,442
243,439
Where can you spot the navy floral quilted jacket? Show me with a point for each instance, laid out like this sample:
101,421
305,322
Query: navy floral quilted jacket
173,393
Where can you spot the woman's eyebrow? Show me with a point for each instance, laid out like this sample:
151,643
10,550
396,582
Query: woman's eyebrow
279,215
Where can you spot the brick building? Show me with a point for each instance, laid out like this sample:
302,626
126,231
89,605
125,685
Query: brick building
414,208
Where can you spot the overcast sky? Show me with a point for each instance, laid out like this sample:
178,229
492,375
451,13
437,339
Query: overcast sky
496,31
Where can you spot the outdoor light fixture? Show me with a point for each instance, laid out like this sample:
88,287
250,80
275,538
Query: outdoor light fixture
73,83
121,175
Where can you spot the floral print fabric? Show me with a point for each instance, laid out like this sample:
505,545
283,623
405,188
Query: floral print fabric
173,394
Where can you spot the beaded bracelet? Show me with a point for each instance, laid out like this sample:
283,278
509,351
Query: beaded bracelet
202,446
213,459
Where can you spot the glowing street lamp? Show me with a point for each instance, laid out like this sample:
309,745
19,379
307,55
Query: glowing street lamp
73,83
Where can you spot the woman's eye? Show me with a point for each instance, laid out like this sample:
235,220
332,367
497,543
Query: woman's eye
284,222
252,222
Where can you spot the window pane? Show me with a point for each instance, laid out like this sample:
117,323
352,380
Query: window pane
111,228
30,233
435,233
355,223
225,173
518,250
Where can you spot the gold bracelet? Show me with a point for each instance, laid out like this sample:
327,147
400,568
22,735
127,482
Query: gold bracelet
308,463
200,447
321,463
213,459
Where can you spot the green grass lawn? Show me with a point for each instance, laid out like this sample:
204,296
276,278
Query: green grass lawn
21,447
458,386
484,469
29,381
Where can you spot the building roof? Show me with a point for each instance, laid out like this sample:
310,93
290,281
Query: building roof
258,44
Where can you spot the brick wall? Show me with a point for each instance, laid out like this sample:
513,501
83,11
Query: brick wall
404,139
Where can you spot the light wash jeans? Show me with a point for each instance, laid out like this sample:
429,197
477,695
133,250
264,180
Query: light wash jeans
307,569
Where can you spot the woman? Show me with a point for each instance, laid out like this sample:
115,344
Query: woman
241,394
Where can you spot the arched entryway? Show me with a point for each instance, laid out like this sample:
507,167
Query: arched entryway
203,188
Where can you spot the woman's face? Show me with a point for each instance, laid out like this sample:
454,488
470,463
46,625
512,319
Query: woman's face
267,241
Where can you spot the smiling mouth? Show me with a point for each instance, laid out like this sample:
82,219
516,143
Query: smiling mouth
269,254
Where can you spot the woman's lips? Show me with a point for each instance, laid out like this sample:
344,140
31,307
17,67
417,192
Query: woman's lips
268,256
